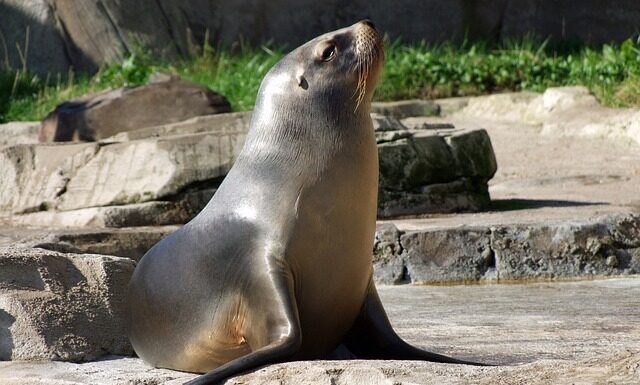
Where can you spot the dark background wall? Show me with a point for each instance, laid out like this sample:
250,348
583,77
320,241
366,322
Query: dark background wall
84,34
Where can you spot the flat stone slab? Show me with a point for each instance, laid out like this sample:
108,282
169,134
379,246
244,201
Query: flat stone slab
134,178
126,242
406,108
229,123
546,333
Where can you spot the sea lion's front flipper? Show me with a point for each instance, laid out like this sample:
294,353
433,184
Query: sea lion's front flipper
272,329
373,337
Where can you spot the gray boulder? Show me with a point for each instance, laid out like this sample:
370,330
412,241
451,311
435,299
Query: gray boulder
108,113
434,170
62,306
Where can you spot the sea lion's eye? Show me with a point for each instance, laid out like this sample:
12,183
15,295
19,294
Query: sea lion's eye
329,53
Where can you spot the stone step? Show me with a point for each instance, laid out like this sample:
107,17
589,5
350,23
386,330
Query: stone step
123,242
429,251
462,248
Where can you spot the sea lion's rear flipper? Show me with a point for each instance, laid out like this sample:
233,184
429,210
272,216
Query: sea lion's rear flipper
272,328
373,337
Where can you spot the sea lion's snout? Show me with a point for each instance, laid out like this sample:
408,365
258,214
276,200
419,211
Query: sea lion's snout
366,29
369,52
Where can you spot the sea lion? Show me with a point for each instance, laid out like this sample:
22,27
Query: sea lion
278,265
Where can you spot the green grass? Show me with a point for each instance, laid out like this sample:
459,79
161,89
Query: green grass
611,72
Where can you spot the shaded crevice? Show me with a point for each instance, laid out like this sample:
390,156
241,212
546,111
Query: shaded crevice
63,190
495,256
489,258
497,34
399,242
405,277
64,34
193,187
114,25
174,37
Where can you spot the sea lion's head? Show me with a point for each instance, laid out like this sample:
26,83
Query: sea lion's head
335,72
317,99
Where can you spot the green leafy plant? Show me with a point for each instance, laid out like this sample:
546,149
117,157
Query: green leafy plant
611,72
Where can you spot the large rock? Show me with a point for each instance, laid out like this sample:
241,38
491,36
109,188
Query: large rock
165,174
100,116
145,170
602,246
165,177
592,22
434,170
116,27
64,34
62,306
33,38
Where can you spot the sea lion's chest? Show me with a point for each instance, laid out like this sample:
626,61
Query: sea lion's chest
330,248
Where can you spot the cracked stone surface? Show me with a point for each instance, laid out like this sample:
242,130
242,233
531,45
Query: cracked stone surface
34,176
545,333
62,306
123,242
600,246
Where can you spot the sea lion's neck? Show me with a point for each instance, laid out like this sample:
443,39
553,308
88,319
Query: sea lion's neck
306,141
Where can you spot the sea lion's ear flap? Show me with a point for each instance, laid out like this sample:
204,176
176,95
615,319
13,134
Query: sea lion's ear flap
302,81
